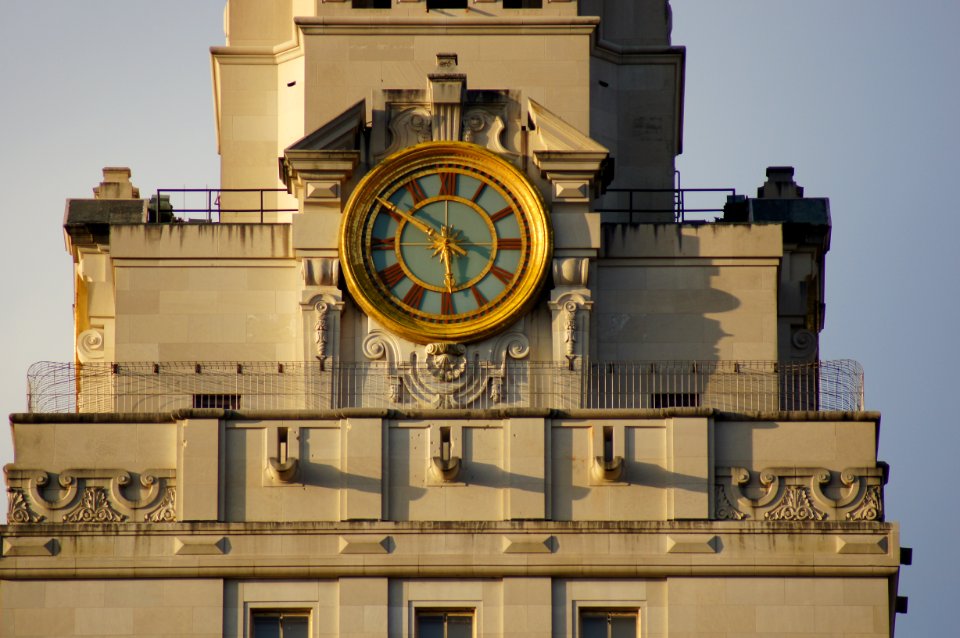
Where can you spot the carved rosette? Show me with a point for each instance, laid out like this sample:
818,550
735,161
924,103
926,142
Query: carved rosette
94,507
18,510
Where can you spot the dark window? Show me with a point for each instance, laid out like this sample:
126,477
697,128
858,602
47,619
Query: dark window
446,4
445,624
218,401
281,624
522,4
371,4
608,624
675,400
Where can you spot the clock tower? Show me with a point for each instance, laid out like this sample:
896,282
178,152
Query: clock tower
448,357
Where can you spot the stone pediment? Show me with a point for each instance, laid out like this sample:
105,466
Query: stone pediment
342,133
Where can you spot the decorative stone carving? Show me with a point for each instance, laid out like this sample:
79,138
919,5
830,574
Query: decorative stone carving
482,127
90,345
870,507
166,512
320,328
446,361
444,375
798,493
724,509
408,126
101,492
795,505
804,343
18,510
94,507
570,329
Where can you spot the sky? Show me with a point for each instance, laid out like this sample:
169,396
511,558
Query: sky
861,96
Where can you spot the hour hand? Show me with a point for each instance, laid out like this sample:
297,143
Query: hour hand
407,216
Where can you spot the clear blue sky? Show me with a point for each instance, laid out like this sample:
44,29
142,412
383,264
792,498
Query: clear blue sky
861,96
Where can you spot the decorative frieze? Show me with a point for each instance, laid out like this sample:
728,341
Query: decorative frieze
89,496
799,494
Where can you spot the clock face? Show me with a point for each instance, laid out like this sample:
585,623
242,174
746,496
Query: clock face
445,241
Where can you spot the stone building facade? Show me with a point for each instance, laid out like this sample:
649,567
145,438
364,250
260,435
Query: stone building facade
457,365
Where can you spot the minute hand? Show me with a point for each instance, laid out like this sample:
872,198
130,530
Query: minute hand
431,233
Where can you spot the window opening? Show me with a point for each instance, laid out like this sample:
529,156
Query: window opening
371,4
608,624
675,400
281,624
444,624
522,4
217,401
446,4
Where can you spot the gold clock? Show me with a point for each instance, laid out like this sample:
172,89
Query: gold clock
445,241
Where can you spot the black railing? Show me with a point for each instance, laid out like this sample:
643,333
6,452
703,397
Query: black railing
209,205
645,205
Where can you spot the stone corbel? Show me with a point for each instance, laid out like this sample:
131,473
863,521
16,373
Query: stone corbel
571,161
316,178
282,447
608,453
444,464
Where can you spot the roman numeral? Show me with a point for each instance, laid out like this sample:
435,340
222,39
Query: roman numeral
511,243
478,296
416,191
383,244
448,184
503,275
414,296
446,304
479,192
501,214
391,275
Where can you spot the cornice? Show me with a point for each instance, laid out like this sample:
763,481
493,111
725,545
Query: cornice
583,25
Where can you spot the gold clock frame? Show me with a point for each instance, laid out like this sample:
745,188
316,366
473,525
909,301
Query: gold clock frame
500,312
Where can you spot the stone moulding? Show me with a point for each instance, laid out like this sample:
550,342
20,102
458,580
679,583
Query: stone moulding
449,549
89,496
799,494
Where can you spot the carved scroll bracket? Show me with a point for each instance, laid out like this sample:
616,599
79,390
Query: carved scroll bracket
571,326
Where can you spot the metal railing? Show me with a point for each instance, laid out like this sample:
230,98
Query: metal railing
214,205
724,385
644,205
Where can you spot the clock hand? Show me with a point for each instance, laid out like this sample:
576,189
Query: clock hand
430,232
448,279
